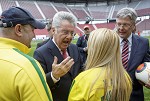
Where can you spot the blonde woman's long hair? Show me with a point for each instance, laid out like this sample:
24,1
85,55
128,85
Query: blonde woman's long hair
104,52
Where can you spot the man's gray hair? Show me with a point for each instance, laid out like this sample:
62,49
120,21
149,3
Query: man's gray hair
127,12
62,15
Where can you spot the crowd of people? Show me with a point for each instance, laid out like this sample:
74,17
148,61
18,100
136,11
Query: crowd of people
99,67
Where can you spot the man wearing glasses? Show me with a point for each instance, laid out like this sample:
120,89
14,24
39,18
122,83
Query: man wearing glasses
60,79
134,49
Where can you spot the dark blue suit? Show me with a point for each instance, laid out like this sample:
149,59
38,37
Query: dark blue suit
45,55
139,54
82,43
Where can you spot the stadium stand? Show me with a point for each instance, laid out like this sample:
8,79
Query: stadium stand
117,8
5,4
143,12
60,7
41,32
106,25
143,25
31,7
43,10
47,8
100,12
79,12
82,26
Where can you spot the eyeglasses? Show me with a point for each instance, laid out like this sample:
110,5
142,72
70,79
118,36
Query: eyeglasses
126,25
67,32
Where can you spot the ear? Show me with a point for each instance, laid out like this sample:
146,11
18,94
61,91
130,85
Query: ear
134,28
53,30
18,30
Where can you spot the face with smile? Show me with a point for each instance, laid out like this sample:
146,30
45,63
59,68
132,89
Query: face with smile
27,35
125,27
64,34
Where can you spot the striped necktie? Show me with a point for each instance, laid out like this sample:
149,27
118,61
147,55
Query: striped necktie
125,53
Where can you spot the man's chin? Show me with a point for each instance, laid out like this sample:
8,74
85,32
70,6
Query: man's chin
65,47
122,35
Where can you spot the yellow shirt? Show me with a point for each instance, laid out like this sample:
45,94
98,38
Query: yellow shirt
21,77
85,88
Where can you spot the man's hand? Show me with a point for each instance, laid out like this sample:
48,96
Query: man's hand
59,70
85,49
147,85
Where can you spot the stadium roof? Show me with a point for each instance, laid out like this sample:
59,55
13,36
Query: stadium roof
78,1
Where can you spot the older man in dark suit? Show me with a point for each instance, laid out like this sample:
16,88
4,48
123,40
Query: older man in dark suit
59,79
135,49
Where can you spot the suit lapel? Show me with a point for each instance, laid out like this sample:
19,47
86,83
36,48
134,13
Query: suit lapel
70,51
134,48
71,54
54,50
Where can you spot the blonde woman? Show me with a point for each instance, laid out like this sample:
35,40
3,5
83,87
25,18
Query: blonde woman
104,78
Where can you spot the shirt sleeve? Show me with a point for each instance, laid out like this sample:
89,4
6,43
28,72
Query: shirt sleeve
54,80
28,90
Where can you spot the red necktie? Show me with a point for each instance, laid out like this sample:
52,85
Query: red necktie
64,54
125,53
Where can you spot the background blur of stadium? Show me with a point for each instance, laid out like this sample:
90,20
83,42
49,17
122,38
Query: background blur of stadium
95,13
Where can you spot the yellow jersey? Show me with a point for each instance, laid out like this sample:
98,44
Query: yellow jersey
21,77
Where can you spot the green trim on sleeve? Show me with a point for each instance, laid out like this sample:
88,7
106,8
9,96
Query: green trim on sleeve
38,71
72,85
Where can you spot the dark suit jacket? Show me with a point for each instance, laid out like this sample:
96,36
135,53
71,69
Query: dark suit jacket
139,54
42,43
45,55
82,43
